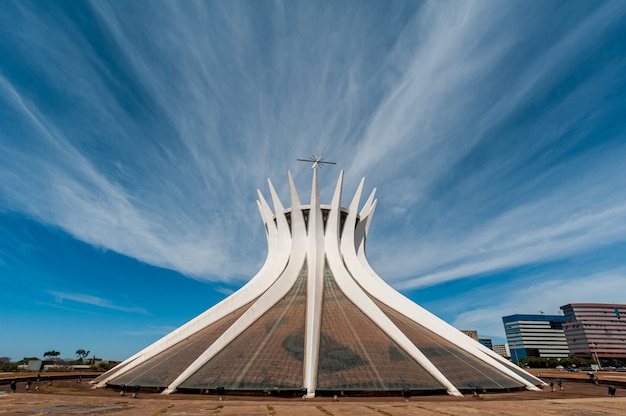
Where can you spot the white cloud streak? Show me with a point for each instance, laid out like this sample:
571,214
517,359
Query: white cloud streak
60,297
587,214
165,120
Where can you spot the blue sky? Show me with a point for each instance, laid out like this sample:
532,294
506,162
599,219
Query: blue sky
134,136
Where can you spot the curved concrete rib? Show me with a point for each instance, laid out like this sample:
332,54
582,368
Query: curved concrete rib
356,295
398,302
380,290
361,230
315,288
279,239
274,294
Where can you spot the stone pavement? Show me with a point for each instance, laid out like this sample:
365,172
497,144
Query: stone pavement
48,404
67,397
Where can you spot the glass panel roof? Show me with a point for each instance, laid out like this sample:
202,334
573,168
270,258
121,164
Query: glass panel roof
267,355
463,370
355,354
162,369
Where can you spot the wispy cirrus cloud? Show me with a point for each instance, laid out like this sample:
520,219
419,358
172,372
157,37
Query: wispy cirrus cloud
60,297
492,130
151,331
587,214
163,126
61,185
488,189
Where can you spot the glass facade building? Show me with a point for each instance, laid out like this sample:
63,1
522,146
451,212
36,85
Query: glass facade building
487,342
540,336
596,331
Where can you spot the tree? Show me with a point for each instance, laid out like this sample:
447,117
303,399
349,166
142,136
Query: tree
82,354
7,365
51,354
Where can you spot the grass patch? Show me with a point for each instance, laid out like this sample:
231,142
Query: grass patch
217,410
326,412
164,410
271,411
382,412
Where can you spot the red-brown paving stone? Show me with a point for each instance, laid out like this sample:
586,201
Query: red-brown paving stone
66,397
52,404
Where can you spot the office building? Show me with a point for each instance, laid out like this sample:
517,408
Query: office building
596,331
502,349
538,336
487,342
473,334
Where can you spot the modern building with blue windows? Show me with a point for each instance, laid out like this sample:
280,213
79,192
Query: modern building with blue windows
538,336
487,342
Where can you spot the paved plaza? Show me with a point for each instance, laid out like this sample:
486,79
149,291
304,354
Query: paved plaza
30,404
67,397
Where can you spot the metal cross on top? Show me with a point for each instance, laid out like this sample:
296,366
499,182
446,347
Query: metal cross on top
317,161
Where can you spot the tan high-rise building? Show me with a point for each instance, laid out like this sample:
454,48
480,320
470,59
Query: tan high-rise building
596,330
473,334
502,349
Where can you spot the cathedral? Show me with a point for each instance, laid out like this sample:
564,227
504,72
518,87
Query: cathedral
317,320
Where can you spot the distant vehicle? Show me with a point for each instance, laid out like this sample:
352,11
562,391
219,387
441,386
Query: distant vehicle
572,369
526,366
622,368
559,367
609,368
